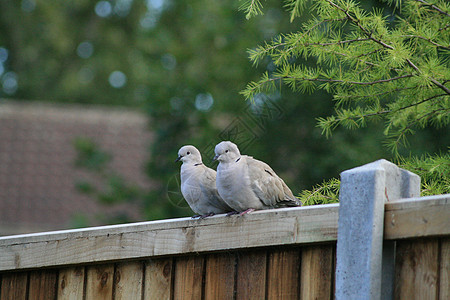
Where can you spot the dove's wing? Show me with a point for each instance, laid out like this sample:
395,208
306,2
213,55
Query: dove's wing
264,182
268,187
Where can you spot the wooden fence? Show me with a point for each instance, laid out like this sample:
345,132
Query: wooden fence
275,254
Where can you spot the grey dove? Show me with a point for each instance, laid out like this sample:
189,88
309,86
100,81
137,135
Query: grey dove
247,184
198,184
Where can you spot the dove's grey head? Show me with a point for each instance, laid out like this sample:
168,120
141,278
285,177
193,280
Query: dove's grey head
189,154
226,151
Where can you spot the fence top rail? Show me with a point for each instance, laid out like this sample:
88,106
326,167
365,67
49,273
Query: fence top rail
404,218
170,237
417,217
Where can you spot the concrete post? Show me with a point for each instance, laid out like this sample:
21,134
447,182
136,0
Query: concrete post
364,190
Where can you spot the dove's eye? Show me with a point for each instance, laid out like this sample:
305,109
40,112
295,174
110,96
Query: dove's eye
226,151
188,153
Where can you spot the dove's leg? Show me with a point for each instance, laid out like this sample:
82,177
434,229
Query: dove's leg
247,211
232,213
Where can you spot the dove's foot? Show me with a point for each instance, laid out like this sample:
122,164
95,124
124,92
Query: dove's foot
207,215
232,213
203,216
247,211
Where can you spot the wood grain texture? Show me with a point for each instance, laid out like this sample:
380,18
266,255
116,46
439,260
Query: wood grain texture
444,276
316,276
100,279
188,278
71,283
128,280
417,269
220,276
167,237
283,274
158,279
14,286
251,275
417,217
43,285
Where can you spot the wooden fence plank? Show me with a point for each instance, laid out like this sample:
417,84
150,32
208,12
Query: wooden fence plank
14,286
316,276
158,279
188,278
220,276
283,274
100,282
444,276
43,285
251,275
416,269
71,283
128,279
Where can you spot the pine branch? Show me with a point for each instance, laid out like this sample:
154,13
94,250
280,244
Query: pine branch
401,108
370,36
444,28
428,40
358,23
300,38
364,66
404,131
433,7
440,85
377,94
364,61
252,8
349,82
434,171
324,193
338,42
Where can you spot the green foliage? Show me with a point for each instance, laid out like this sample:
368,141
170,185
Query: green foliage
434,171
324,193
377,66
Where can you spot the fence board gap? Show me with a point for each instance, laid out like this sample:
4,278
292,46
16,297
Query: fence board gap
128,280
219,276
71,283
251,275
158,279
283,277
100,282
333,274
43,285
188,277
316,277
14,286
416,269
444,276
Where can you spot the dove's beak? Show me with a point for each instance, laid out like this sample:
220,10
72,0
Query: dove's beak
215,157
178,158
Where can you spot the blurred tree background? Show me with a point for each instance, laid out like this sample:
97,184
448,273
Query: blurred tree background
183,63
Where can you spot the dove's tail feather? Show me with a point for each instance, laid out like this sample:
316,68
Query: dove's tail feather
289,199
289,203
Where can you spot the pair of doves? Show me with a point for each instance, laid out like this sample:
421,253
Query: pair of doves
242,184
